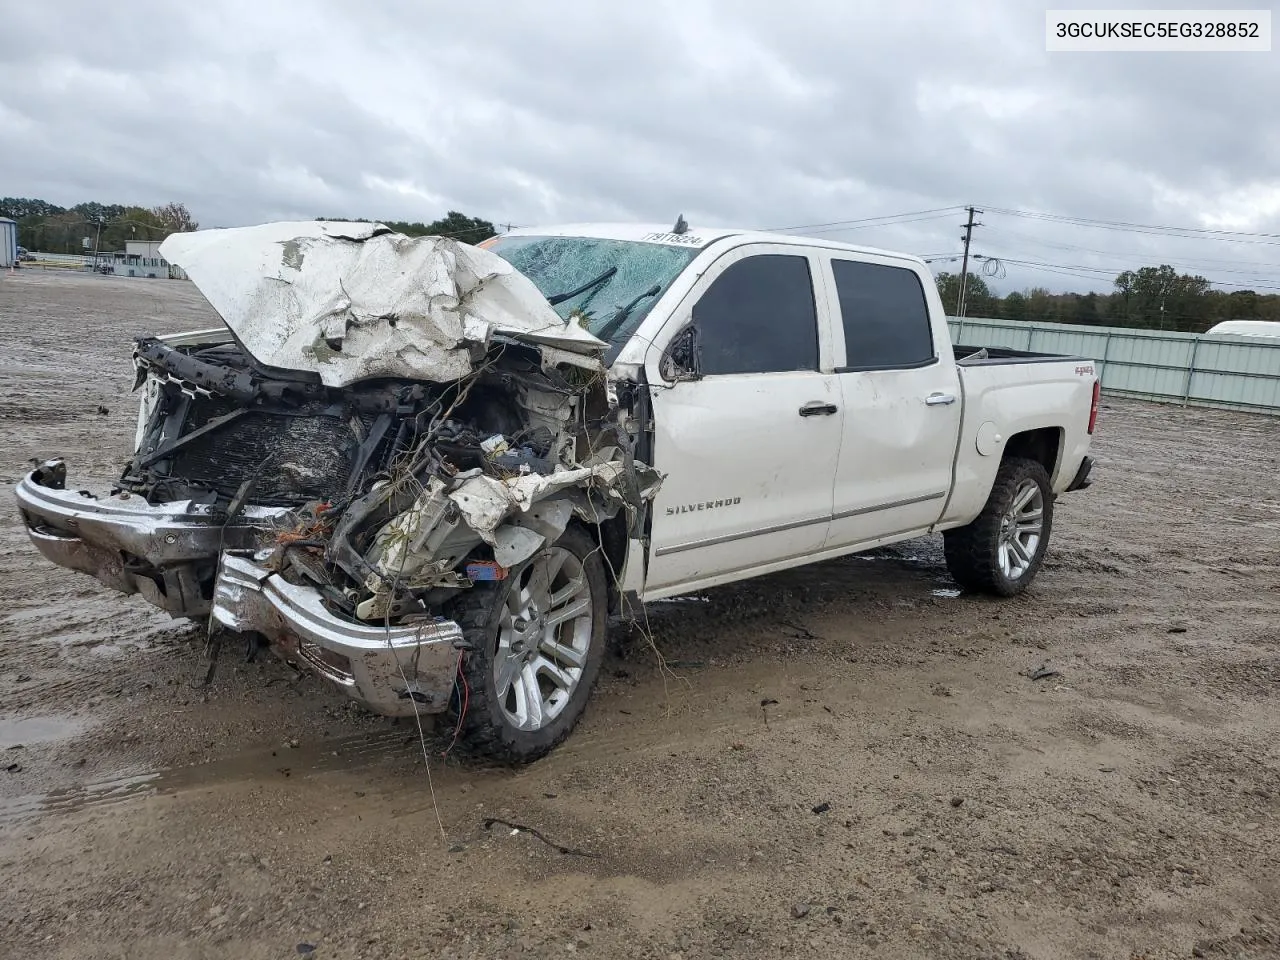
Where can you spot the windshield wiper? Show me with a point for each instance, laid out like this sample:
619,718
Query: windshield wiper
616,321
562,297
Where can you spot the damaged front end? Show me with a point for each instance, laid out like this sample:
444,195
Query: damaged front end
385,424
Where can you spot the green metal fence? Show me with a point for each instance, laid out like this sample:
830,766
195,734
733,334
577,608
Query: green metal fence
1236,372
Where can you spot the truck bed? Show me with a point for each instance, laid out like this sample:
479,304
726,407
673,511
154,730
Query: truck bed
991,356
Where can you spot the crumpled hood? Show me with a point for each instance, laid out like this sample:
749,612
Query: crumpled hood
352,301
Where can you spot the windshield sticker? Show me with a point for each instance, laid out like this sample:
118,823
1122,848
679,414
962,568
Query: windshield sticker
682,239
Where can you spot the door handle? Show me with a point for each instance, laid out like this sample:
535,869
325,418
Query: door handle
817,408
939,399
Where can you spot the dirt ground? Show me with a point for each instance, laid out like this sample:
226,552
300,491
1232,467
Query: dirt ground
1125,806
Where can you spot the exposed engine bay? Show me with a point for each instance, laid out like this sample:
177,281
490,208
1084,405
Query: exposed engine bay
415,408
400,493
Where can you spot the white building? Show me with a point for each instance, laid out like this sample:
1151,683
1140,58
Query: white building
8,242
139,258
143,249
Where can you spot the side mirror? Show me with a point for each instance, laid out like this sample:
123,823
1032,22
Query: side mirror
682,359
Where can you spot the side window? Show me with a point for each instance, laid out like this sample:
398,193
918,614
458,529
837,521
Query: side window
759,317
885,315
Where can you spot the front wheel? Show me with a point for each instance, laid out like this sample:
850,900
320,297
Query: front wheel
1002,550
535,642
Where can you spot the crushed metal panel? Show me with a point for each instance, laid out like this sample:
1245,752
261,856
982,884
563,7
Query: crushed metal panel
486,501
411,539
526,534
353,301
514,545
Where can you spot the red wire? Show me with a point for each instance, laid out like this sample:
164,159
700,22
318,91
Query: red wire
466,702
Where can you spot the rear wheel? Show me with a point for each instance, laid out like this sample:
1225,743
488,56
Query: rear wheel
535,644
1002,550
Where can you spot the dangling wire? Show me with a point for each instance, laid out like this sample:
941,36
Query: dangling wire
992,267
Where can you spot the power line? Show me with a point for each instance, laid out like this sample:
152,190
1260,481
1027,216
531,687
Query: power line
842,224
1206,233
1112,270
1098,273
887,223
1202,262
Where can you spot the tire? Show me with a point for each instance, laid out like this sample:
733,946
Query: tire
996,554
501,717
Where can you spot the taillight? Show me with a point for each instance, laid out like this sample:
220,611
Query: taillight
1093,408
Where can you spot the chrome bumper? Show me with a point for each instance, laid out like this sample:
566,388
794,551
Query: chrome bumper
386,669
167,553
186,560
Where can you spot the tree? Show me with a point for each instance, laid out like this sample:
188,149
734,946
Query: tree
464,228
1014,306
19,208
1039,304
94,211
459,226
175,218
48,227
1161,298
135,223
58,232
979,301
1241,305
454,224
1086,309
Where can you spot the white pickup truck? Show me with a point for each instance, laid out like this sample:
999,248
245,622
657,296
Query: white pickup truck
431,472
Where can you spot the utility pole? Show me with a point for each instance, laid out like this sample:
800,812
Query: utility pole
1165,288
96,241
964,269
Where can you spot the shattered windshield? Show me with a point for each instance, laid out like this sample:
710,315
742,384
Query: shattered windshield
610,275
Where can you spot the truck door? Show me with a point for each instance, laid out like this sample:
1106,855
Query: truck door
901,394
749,445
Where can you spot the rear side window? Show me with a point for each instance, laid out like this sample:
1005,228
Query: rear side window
885,316
759,317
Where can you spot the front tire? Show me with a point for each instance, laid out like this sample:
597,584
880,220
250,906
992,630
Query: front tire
535,642
1002,550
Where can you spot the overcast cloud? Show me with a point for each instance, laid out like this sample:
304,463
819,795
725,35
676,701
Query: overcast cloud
752,113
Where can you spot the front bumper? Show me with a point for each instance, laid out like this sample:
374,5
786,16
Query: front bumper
395,671
167,553
184,559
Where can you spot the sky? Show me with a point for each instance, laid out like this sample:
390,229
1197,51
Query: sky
741,113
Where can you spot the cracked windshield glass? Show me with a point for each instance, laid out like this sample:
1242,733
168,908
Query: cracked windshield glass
613,283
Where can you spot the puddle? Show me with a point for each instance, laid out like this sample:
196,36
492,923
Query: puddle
29,730
949,594
16,809
400,746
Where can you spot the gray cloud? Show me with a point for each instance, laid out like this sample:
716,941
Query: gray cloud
753,113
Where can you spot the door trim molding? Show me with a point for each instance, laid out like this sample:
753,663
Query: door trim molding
793,525
729,538
845,514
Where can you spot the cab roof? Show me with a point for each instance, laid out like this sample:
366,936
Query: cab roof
695,237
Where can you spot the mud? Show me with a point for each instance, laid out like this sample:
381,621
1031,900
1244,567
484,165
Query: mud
1125,806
